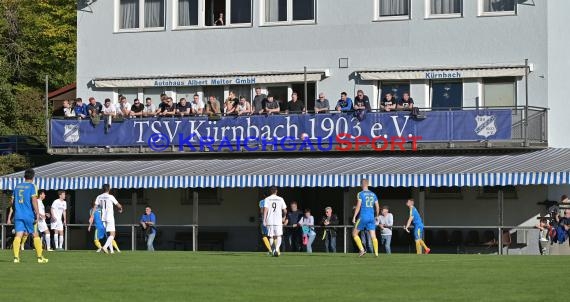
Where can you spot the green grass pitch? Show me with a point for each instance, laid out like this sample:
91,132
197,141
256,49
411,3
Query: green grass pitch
187,276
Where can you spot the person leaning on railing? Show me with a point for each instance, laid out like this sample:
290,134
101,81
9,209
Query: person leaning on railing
388,103
212,106
197,106
405,103
258,103
272,106
109,112
80,109
295,105
243,107
322,104
136,109
344,104
149,108
183,108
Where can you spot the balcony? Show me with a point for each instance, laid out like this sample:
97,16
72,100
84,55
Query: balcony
441,129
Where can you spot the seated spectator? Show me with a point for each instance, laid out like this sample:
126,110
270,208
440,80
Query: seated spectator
197,106
406,103
183,108
213,106
307,224
259,100
80,109
230,105
123,107
295,105
67,109
344,104
388,103
271,106
109,112
243,107
322,104
149,108
137,109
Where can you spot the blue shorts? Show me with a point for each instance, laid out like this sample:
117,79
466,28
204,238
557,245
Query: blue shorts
418,232
99,233
366,224
263,230
24,225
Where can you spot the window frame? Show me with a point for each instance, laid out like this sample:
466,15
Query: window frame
458,80
482,13
141,28
429,15
381,93
202,17
290,21
378,18
515,88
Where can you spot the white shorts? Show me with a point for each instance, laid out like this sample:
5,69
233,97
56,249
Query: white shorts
58,225
109,226
274,230
42,226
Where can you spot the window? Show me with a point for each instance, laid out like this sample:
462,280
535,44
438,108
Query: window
187,12
154,94
509,192
212,13
497,7
499,92
129,93
444,193
396,89
206,196
288,11
446,95
137,14
393,9
444,8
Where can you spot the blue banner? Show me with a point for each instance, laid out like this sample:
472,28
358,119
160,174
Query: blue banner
438,126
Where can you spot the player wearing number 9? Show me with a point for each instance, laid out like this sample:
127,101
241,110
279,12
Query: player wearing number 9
368,208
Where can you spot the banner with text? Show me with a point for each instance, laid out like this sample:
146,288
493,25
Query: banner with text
438,126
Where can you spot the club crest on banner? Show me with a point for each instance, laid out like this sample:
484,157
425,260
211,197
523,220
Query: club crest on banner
71,133
486,125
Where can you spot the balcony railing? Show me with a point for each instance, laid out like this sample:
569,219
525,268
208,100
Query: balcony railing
447,128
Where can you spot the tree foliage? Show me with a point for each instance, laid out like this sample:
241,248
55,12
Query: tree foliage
37,38
12,163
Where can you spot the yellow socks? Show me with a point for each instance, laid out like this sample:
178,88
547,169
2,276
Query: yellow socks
115,246
423,244
16,246
38,246
97,244
358,243
375,244
418,247
267,245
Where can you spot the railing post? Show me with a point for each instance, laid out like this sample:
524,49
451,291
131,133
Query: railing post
194,240
3,236
526,70
133,238
500,243
66,236
345,239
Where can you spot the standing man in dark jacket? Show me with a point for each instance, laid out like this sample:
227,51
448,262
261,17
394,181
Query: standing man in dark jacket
293,230
329,236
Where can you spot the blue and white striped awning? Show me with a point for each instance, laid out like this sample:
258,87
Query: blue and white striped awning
544,167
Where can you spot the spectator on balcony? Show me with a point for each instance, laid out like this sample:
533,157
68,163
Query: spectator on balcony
230,105
149,108
243,107
386,222
271,106
80,109
388,103
137,109
109,112
406,103
361,105
329,235
307,224
259,100
295,105
94,108
123,107
169,109
197,106
67,109
183,108
213,106
344,104
322,104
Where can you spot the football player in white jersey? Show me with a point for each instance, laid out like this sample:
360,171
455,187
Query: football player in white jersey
107,202
274,213
42,224
58,211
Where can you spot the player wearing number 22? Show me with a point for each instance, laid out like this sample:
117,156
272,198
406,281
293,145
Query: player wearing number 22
26,213
368,208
